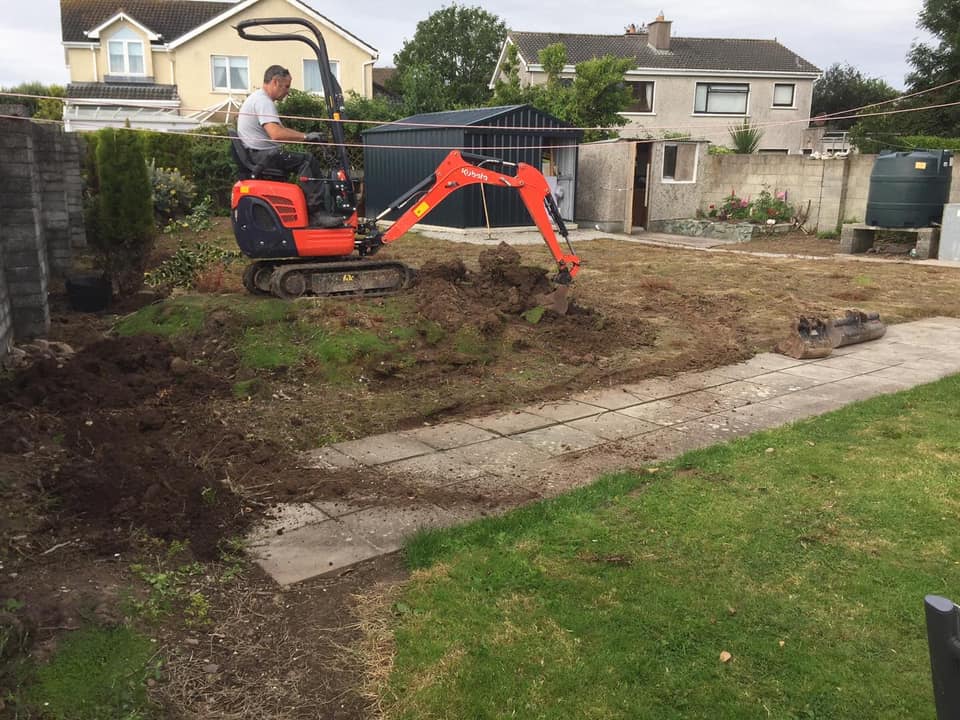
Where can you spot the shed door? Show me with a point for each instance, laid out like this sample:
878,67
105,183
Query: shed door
558,166
641,190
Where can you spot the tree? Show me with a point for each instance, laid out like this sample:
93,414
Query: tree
843,88
593,99
448,62
745,137
125,231
935,65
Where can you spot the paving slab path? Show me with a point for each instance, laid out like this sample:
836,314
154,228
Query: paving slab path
542,450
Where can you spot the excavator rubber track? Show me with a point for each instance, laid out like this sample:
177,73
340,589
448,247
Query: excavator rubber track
289,280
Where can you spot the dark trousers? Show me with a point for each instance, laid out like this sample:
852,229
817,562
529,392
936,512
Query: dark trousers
304,165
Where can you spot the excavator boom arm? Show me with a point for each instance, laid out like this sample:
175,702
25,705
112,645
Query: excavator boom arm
462,169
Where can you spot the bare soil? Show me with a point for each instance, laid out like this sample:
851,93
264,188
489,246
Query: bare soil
136,439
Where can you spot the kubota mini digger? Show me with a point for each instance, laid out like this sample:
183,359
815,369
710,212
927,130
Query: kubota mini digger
271,219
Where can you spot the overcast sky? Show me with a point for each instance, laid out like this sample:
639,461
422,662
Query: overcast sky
872,35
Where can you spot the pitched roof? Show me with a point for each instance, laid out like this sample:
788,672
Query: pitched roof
168,18
121,91
712,54
171,19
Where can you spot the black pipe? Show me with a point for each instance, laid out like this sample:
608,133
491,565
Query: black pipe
943,637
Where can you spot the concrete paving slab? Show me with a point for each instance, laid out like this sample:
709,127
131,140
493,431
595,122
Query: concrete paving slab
563,411
703,380
658,388
783,382
665,412
506,457
613,425
758,365
854,364
327,458
746,390
434,470
607,398
720,427
449,435
908,377
945,367
821,373
662,444
387,528
379,449
284,518
708,401
510,423
564,473
312,550
559,439
487,495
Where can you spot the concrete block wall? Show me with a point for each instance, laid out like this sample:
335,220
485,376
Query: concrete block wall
22,236
41,206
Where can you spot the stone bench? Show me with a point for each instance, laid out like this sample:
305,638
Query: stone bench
858,238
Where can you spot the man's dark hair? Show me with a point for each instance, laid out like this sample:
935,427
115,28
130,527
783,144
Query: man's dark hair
275,71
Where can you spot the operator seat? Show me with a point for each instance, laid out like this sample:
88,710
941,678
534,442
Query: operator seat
249,170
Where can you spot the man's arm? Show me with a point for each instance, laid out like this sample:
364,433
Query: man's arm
278,132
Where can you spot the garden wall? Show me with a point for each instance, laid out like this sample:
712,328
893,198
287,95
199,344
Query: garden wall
41,202
835,188
827,191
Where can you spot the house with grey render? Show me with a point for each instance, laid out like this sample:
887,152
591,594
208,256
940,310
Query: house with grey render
698,87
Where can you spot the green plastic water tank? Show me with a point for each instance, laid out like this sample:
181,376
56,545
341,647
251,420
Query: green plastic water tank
909,189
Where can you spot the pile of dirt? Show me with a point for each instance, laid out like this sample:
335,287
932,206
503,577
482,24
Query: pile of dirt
123,426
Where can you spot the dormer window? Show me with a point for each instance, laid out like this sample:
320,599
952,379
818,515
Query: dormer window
126,53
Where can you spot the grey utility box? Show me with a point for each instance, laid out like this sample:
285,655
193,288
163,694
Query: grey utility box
950,233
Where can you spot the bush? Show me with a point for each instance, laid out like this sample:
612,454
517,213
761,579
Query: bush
124,211
173,194
719,150
213,170
168,150
187,264
770,207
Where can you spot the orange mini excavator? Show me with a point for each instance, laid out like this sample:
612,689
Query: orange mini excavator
291,259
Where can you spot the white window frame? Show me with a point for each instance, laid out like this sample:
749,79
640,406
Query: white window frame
334,68
126,39
653,96
230,67
720,88
793,95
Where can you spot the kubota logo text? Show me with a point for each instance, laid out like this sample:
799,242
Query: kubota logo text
475,174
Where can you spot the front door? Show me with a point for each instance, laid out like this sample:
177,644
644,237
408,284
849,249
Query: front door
641,186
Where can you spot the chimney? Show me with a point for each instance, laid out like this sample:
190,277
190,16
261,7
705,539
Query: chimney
658,33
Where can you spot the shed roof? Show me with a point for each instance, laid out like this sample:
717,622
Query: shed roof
465,118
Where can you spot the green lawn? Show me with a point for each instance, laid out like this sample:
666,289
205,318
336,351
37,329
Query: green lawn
804,553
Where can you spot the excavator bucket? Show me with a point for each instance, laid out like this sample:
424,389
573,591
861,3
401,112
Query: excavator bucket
857,327
810,339
816,338
558,300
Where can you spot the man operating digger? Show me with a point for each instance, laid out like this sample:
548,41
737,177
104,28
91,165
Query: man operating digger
261,131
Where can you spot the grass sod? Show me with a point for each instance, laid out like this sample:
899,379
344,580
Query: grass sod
96,673
804,552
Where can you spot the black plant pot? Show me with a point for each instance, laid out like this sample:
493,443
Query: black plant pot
89,292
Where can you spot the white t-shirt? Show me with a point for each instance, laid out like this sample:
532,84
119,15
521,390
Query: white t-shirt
257,110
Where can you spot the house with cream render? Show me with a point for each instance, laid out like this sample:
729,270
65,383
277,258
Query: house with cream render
177,64
694,87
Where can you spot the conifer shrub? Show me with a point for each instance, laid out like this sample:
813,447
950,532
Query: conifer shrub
124,209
